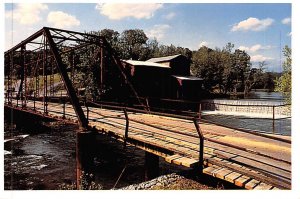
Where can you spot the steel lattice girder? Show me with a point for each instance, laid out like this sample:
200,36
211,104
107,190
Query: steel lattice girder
55,38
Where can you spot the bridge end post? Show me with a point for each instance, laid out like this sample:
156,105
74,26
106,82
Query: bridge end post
85,152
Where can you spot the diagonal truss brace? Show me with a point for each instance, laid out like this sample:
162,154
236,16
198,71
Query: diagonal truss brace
83,122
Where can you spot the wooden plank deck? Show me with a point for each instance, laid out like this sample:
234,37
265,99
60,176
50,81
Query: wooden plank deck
176,140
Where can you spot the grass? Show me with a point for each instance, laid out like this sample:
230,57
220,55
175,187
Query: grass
56,76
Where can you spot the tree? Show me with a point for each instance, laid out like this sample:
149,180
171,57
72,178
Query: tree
255,77
283,83
132,41
222,69
112,38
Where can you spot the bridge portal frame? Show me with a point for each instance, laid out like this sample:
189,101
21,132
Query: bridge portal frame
51,43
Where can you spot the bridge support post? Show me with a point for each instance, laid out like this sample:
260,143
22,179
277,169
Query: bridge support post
151,166
85,144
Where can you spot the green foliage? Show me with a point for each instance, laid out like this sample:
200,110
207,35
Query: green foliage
221,69
132,43
284,83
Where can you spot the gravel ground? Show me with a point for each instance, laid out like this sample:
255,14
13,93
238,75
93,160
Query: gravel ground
174,182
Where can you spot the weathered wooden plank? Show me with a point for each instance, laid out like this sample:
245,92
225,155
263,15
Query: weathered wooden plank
178,161
211,170
251,184
184,161
172,157
232,177
263,186
208,170
242,180
268,166
222,173
224,155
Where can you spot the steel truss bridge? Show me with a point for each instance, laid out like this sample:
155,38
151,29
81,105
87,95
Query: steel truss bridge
35,67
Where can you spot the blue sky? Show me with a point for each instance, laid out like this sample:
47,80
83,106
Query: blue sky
260,29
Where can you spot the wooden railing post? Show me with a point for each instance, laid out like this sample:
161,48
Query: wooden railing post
126,127
201,144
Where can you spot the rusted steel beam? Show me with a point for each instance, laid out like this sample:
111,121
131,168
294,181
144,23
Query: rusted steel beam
201,144
72,39
101,69
83,122
24,42
45,99
121,69
74,32
23,54
10,76
126,127
21,88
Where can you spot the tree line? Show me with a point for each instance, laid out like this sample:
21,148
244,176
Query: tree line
223,70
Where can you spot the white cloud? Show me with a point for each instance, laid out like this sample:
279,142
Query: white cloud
117,11
286,21
260,58
255,48
170,16
253,24
158,31
203,43
60,19
26,13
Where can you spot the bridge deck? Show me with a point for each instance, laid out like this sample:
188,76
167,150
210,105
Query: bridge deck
247,160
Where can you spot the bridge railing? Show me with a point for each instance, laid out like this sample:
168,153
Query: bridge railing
275,115
125,109
206,110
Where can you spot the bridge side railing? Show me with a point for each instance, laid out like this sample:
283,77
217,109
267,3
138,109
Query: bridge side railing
234,108
125,109
196,123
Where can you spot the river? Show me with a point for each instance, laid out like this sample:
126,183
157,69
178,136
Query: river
257,122
45,159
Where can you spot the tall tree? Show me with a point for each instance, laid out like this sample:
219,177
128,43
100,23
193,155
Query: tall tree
112,38
133,41
283,83
255,77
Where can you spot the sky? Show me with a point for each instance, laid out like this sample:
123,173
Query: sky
262,30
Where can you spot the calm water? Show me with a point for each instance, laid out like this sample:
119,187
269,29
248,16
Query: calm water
270,96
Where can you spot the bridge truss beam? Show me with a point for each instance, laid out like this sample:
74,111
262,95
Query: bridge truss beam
45,53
